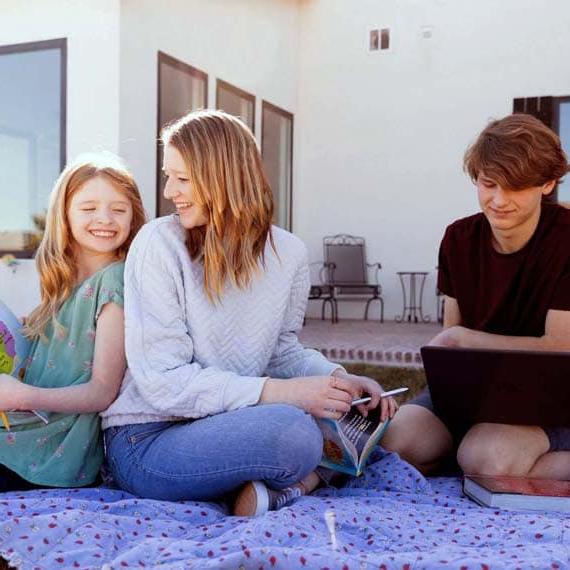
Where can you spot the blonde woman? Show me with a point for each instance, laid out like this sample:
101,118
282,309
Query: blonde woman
218,391
77,358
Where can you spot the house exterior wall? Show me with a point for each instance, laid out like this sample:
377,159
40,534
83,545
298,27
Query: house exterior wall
252,44
381,136
92,31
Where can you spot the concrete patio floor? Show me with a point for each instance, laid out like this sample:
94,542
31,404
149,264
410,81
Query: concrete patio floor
388,343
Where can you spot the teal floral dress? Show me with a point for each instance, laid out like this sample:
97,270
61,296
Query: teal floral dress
68,451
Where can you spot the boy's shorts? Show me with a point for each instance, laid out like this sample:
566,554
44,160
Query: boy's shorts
558,437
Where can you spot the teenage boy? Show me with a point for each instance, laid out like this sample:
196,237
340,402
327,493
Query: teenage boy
505,274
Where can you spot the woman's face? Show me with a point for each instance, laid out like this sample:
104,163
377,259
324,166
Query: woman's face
178,189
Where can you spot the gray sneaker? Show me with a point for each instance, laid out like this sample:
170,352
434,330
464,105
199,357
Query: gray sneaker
255,499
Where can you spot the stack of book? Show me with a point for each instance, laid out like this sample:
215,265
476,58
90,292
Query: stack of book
518,493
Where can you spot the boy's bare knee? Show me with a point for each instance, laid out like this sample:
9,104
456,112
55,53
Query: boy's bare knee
477,458
495,450
418,436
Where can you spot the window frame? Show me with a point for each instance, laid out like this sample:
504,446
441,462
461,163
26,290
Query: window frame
164,58
61,44
556,127
547,109
221,84
288,115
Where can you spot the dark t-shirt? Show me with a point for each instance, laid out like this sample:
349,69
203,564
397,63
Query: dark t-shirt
507,294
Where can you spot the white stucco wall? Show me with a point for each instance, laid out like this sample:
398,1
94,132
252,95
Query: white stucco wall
92,31
252,44
19,287
380,136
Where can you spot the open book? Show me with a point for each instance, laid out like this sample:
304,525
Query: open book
14,350
349,440
518,493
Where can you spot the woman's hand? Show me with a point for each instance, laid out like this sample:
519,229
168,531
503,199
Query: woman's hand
320,396
12,393
364,386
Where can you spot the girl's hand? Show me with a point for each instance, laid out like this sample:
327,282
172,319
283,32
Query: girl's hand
320,396
12,393
364,386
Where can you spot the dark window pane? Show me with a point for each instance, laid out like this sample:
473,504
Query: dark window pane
30,140
181,89
564,132
277,150
236,102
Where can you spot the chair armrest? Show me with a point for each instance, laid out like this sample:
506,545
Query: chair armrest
376,266
325,271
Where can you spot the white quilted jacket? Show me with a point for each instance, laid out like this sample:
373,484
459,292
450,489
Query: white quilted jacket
189,358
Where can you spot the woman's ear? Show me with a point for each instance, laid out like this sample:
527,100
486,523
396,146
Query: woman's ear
548,187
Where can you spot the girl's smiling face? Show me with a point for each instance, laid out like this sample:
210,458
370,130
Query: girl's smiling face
100,218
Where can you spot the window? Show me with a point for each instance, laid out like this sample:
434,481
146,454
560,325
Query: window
554,112
563,128
277,151
32,138
181,88
236,102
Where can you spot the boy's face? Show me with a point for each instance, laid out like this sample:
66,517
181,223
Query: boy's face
509,210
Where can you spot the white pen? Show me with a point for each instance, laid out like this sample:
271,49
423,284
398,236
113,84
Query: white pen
330,520
383,395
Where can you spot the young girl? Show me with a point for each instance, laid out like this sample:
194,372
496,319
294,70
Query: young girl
77,359
219,392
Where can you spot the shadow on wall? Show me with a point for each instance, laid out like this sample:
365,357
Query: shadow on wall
19,286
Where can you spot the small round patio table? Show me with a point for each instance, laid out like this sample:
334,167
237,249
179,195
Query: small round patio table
412,309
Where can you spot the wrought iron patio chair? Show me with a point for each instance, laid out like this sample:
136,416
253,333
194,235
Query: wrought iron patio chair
347,272
321,290
440,305
440,301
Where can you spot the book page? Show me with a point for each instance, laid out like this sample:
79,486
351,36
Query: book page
357,429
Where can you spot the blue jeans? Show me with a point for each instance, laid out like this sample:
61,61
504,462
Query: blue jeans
206,458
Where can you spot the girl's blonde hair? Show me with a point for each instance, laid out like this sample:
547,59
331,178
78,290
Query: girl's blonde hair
226,175
55,258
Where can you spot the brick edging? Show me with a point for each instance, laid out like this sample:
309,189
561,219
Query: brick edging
395,357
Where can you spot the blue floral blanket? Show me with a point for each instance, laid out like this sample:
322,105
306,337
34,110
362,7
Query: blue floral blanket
389,518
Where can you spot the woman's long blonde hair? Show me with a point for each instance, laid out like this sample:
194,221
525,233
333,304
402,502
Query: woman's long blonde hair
226,175
55,257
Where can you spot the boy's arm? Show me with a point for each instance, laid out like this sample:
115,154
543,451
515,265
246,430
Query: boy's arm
451,314
556,333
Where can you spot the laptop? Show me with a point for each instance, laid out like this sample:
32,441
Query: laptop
470,386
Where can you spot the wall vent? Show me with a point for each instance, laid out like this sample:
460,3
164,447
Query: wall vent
379,39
